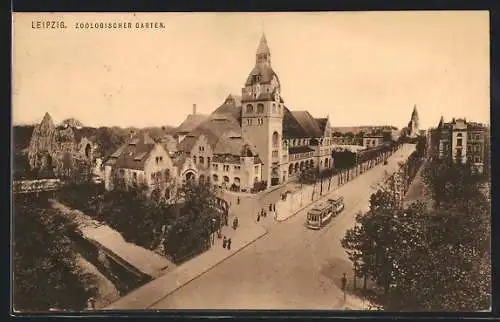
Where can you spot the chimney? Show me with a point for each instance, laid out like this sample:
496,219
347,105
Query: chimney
194,109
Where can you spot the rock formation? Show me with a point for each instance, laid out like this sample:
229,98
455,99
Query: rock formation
56,151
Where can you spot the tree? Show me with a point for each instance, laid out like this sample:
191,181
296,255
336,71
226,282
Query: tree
193,221
427,260
45,271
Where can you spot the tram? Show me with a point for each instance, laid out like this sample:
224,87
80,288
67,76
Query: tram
319,215
337,204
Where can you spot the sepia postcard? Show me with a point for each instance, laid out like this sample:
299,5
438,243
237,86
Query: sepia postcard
251,161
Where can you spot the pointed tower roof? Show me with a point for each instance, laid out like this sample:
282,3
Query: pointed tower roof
47,118
414,114
263,47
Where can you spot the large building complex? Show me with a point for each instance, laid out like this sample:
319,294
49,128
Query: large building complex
253,137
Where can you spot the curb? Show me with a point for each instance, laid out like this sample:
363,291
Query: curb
210,268
188,281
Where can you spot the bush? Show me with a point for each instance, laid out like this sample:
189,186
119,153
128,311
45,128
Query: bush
45,271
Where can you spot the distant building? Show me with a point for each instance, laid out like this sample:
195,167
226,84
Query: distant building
372,141
413,125
461,141
140,161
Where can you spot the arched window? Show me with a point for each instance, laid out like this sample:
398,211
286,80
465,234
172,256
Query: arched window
88,150
167,174
312,163
249,108
237,181
276,139
202,161
208,161
260,108
302,165
326,162
296,167
290,169
215,178
226,179
459,135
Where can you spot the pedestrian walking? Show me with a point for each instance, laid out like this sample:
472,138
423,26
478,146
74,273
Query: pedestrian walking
344,282
235,223
263,212
238,200
229,244
224,242
258,217
270,207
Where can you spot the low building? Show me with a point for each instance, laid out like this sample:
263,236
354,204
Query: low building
461,141
372,141
140,161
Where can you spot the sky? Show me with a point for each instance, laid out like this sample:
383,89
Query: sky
359,68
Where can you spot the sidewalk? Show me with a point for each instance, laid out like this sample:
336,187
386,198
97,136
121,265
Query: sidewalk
146,261
149,294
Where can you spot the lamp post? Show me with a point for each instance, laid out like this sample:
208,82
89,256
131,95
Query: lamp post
213,230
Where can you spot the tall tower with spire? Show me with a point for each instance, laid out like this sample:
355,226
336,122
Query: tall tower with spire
262,114
413,125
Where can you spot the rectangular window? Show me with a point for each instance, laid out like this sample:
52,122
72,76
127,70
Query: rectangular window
459,142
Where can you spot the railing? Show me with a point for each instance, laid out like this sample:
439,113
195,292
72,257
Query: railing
29,186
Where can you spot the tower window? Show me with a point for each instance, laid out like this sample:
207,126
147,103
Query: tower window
249,108
260,108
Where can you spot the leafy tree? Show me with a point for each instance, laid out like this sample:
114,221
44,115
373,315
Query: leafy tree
189,232
45,271
427,260
344,159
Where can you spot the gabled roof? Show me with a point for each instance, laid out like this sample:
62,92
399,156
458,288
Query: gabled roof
231,106
322,123
291,128
308,123
214,129
134,153
191,122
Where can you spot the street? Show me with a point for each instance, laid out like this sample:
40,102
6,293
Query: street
291,267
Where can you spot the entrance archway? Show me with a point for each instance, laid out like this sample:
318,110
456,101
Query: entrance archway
190,176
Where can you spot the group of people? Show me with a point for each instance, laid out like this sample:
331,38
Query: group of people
226,242
263,213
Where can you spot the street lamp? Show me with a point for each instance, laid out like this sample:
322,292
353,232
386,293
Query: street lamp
213,230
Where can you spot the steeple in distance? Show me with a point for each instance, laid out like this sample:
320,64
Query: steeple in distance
263,56
414,114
